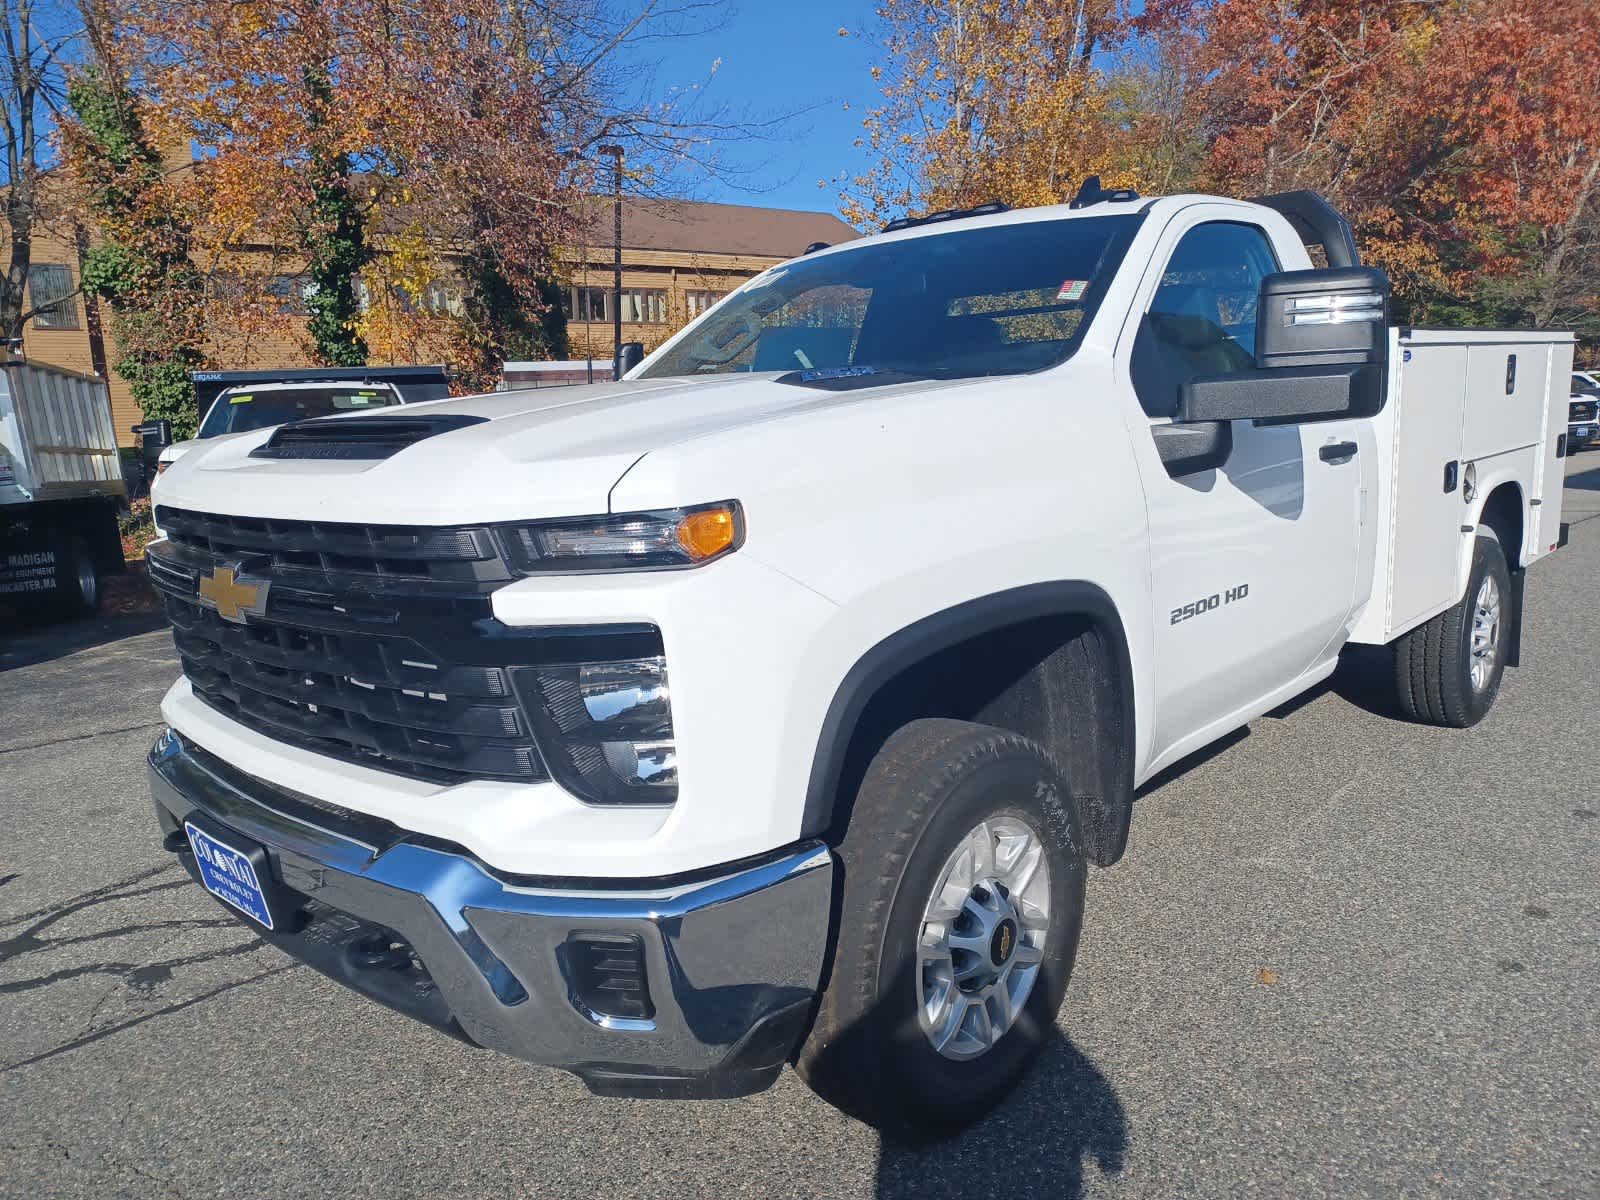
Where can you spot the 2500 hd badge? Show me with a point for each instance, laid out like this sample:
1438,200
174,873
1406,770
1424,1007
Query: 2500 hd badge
1210,603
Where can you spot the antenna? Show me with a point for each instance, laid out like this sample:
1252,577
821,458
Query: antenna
1092,193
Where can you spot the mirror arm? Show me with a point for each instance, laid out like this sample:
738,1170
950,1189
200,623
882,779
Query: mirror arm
1284,395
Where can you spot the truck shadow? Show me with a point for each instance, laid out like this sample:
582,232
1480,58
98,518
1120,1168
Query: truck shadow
1033,1147
25,644
1587,479
32,936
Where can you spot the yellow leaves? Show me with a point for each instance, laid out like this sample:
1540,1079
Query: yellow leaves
1266,976
987,101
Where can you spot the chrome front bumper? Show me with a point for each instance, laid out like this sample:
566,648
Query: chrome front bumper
732,961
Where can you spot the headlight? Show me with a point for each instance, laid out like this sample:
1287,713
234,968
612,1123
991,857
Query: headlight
675,537
605,728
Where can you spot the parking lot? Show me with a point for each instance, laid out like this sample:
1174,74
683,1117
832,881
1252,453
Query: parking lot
1343,956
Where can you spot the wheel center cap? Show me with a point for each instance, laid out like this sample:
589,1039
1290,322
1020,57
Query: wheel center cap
1003,942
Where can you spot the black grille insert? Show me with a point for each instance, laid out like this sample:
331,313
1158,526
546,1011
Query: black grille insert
1582,410
377,644
326,553
372,700
607,975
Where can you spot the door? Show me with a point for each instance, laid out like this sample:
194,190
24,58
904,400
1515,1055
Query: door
1253,564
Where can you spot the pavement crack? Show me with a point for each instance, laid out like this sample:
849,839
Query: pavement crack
80,737
140,976
111,1030
26,943
99,895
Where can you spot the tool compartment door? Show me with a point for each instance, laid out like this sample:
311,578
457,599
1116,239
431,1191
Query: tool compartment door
1550,472
1425,515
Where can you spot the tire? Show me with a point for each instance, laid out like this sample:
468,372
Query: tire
934,785
80,585
1434,662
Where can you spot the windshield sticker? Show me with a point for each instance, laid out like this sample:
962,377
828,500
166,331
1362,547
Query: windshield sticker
804,360
1072,289
837,373
240,399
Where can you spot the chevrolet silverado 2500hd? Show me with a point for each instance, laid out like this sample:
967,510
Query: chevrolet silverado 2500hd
769,704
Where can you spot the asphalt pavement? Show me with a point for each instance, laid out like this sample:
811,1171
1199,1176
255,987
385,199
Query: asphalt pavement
1344,956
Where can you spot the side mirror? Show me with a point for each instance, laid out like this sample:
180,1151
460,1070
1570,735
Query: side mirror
1322,347
629,356
157,434
1318,318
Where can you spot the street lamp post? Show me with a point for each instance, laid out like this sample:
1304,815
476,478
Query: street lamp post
616,257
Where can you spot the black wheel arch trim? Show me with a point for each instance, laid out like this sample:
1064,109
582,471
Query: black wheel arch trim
940,631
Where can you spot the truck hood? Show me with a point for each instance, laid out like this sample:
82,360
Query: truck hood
539,452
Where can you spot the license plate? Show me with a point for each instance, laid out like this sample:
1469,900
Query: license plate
229,875
1581,431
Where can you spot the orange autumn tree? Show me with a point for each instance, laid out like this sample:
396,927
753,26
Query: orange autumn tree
421,161
986,100
1462,139
265,90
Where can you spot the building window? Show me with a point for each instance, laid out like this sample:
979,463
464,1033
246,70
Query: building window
640,306
699,301
588,304
440,299
50,290
290,293
644,307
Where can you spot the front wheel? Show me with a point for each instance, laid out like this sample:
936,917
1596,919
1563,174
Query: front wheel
963,881
1448,670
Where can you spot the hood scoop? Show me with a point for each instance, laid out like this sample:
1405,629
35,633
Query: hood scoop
368,438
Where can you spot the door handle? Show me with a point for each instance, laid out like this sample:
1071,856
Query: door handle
1337,452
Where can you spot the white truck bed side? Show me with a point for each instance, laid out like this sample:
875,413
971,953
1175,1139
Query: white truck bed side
1456,401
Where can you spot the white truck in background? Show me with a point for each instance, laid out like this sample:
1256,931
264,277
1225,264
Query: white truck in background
768,705
61,488
242,401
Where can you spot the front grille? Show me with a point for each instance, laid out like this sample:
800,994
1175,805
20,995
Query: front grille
373,700
1582,410
362,649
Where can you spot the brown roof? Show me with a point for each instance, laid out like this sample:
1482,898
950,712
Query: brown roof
693,226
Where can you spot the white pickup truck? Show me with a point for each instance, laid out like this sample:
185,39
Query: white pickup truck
769,704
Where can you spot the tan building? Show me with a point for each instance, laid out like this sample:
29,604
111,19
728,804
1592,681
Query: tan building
677,258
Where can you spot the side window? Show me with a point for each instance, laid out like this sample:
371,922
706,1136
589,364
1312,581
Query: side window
1202,319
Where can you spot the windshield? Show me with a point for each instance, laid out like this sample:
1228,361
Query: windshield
999,300
237,411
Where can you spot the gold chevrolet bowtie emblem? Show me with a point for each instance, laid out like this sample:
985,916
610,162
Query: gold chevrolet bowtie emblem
223,591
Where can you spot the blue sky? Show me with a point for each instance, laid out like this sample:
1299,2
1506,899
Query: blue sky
780,57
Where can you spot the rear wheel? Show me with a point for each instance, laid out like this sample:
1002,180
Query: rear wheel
81,585
1448,670
962,899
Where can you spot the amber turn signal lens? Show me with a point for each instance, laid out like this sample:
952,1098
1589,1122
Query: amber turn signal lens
708,532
